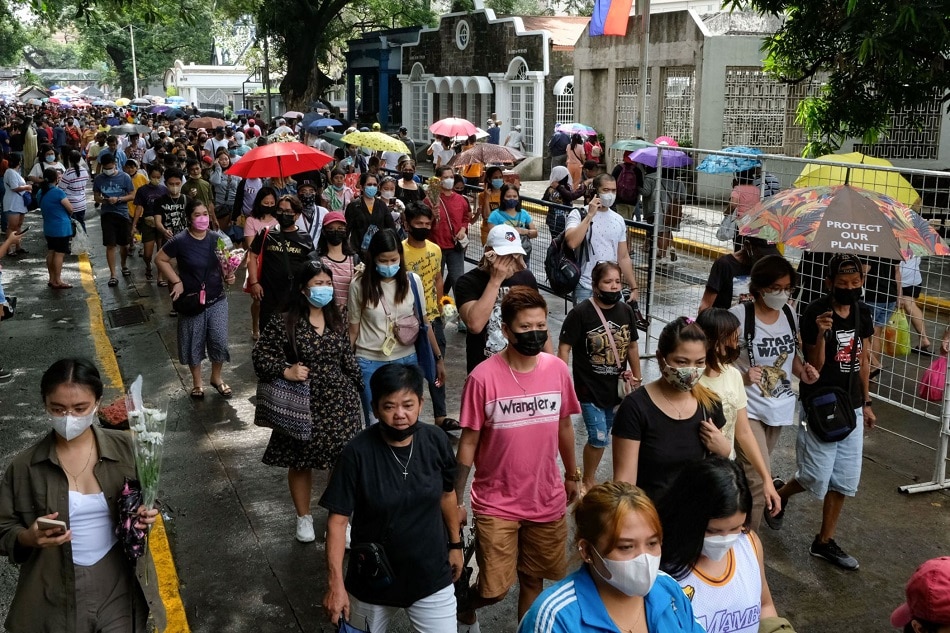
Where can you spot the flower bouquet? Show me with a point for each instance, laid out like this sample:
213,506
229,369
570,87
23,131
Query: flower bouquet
148,439
450,313
229,258
434,190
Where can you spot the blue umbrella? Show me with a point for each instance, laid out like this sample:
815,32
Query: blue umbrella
176,99
671,157
55,87
112,121
327,123
717,164
244,112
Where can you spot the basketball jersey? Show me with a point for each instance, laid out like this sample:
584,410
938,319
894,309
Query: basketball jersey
732,603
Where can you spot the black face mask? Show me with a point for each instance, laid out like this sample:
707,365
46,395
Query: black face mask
731,354
285,220
610,298
397,435
846,296
335,238
530,343
419,234
407,175
310,198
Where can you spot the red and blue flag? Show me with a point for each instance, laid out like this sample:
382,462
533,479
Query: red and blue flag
610,17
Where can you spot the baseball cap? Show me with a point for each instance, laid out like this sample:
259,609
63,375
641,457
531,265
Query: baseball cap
504,240
334,216
844,264
306,182
518,127
928,595
207,159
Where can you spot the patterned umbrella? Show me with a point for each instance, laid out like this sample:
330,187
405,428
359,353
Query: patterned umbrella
719,164
825,172
671,157
842,219
376,141
158,109
486,154
576,128
453,126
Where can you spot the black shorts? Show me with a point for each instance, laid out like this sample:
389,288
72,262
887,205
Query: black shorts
911,291
116,230
58,244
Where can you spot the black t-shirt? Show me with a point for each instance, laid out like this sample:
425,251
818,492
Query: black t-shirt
595,368
490,340
197,263
666,445
358,220
729,279
146,195
278,269
880,286
172,212
838,341
402,514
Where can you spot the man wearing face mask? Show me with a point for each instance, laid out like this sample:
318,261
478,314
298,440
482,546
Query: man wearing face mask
604,233
728,281
113,190
310,222
516,421
836,334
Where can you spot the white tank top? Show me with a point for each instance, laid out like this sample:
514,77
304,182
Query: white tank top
91,524
732,603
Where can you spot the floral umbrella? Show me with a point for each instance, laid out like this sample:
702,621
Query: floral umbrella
842,219
486,154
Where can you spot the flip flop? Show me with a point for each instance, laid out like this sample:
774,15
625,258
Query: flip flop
875,373
113,282
223,389
162,283
197,393
148,273
923,351
126,272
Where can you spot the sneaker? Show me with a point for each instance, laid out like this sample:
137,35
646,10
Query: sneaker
833,554
469,628
450,424
673,256
5,374
776,522
305,529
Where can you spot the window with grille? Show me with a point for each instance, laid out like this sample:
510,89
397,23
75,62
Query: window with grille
419,104
628,105
914,134
522,101
753,111
564,103
678,103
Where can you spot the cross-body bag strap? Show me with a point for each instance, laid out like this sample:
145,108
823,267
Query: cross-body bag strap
448,216
749,328
855,307
610,335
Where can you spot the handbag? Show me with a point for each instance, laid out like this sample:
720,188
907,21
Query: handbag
623,387
371,564
345,627
284,405
404,328
425,355
459,243
727,228
934,380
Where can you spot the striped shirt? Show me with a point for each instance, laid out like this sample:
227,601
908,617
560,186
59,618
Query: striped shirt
75,187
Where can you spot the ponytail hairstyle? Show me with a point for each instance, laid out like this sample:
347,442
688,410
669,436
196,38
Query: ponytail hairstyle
50,176
74,158
681,330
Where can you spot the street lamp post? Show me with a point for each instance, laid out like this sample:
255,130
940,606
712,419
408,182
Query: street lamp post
135,73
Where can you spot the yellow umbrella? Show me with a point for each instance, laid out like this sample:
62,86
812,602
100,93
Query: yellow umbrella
890,183
122,102
375,141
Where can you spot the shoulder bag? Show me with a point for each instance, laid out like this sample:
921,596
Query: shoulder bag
425,355
284,405
194,303
623,387
405,328
828,411
462,244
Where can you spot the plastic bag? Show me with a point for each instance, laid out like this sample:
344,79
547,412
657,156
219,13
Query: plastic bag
934,380
80,242
728,229
897,334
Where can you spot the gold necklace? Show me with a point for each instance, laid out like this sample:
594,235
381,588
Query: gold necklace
512,372
679,413
636,621
62,464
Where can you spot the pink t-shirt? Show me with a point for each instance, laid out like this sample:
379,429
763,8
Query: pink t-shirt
517,476
253,226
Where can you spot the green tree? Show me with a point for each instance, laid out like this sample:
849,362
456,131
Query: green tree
877,57
13,36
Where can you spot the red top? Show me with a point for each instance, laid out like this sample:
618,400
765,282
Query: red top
460,215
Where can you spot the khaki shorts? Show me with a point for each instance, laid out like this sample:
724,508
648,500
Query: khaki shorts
506,548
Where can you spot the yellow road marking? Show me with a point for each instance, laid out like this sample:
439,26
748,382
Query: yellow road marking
177,621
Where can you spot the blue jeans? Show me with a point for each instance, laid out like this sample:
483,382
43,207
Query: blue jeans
582,294
454,260
438,393
598,421
369,367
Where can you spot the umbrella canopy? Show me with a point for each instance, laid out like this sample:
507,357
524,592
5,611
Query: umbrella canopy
333,138
176,99
576,128
279,160
141,101
159,109
666,140
324,122
648,156
486,154
842,219
244,112
218,114
207,122
122,102
718,164
375,141
129,128
55,87
292,114
886,182
631,145
479,135
453,126
174,113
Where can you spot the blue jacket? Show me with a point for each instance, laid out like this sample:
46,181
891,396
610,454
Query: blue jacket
574,605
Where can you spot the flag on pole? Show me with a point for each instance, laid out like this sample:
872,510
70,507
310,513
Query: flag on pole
610,17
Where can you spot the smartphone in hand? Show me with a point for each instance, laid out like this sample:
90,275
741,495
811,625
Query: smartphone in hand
51,524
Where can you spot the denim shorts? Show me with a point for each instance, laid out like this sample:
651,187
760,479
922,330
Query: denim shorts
599,421
824,466
881,312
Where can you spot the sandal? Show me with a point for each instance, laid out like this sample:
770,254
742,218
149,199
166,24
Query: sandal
62,286
148,273
223,389
161,282
197,393
875,373
113,282
126,272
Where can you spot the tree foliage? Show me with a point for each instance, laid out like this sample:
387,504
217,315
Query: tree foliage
877,57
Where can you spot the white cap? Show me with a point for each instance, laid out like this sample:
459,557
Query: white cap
518,127
504,240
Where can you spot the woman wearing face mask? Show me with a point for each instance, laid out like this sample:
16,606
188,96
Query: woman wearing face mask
225,187
723,379
710,550
76,471
407,189
316,333
620,586
74,182
204,334
489,198
47,158
767,364
263,217
673,420
57,227
13,205
367,215
394,482
387,193
514,216
337,196
334,251
597,371
380,296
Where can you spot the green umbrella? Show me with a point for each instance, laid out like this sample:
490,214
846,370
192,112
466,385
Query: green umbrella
334,138
631,145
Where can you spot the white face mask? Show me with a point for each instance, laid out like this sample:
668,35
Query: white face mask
70,427
110,172
387,194
607,199
775,300
633,577
448,183
716,547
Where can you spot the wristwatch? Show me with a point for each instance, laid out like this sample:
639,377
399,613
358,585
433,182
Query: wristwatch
868,403
456,545
577,476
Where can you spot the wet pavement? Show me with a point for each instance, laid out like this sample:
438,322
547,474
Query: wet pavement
231,525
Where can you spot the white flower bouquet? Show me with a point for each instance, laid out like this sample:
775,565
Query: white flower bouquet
148,441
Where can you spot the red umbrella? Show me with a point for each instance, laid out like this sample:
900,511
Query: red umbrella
453,126
279,160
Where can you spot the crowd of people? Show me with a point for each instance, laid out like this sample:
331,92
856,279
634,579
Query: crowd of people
351,272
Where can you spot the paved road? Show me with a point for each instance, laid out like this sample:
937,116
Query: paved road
231,524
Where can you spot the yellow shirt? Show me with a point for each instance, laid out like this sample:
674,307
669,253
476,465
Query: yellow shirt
427,263
138,180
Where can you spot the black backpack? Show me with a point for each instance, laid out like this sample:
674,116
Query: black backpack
563,264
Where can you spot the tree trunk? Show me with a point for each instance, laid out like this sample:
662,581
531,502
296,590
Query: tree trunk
123,65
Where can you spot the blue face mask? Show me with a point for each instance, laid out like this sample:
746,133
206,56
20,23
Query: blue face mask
496,183
370,191
511,203
320,296
387,271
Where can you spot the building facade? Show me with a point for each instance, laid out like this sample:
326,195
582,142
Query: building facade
214,87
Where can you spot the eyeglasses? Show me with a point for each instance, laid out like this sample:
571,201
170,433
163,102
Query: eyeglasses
63,411
788,289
